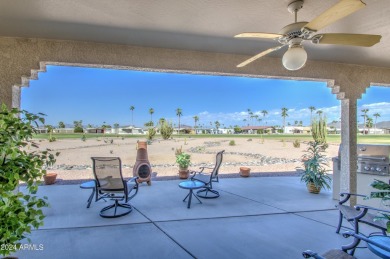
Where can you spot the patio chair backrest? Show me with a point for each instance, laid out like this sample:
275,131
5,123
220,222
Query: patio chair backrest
218,163
108,173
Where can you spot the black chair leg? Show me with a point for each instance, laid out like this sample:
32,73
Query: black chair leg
356,241
340,222
204,193
105,211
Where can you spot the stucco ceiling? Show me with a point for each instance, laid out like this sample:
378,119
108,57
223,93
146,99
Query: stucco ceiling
204,25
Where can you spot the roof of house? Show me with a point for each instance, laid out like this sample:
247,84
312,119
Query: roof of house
256,127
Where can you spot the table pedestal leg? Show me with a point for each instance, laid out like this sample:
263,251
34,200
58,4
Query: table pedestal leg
91,197
189,196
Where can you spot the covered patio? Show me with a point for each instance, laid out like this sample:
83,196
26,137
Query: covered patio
195,37
256,217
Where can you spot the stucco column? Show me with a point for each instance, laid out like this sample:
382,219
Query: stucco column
348,177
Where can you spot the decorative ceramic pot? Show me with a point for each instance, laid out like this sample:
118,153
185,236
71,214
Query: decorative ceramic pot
50,178
313,189
184,173
245,171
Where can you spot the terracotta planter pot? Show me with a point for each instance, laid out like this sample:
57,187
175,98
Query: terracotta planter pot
312,188
184,173
245,171
50,178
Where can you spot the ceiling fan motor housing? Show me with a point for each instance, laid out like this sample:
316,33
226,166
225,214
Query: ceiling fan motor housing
291,31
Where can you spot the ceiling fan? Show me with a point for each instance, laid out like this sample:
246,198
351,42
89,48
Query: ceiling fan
293,35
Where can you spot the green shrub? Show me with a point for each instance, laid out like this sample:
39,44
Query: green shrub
237,129
319,131
151,133
20,212
297,143
232,143
78,130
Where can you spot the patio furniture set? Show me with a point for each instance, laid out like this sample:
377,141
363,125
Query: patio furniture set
110,184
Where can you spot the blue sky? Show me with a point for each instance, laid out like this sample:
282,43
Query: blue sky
104,95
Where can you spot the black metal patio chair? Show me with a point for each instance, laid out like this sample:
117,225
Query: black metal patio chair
208,178
360,214
375,244
111,185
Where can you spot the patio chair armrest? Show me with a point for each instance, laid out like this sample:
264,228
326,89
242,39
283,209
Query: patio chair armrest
364,207
361,237
205,167
133,179
309,253
348,196
193,173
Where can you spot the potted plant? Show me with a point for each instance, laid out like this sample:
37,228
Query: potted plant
19,211
314,174
183,160
49,178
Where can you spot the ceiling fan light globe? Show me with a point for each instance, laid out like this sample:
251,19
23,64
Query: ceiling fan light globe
294,58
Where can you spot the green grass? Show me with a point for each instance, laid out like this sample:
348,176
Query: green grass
332,138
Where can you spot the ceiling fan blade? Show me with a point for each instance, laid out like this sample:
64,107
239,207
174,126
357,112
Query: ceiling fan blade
363,40
336,12
246,62
262,35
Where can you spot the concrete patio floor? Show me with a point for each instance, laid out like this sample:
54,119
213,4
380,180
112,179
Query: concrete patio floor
256,217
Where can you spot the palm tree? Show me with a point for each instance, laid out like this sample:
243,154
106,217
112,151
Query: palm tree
284,115
376,115
264,112
364,117
369,123
217,125
196,119
132,110
249,113
151,111
179,113
311,108
244,120
61,124
319,112
251,116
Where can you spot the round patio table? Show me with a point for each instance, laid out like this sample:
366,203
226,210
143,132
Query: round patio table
191,185
89,185
382,240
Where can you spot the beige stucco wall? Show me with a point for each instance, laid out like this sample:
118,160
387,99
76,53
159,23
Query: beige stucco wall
20,56
21,59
